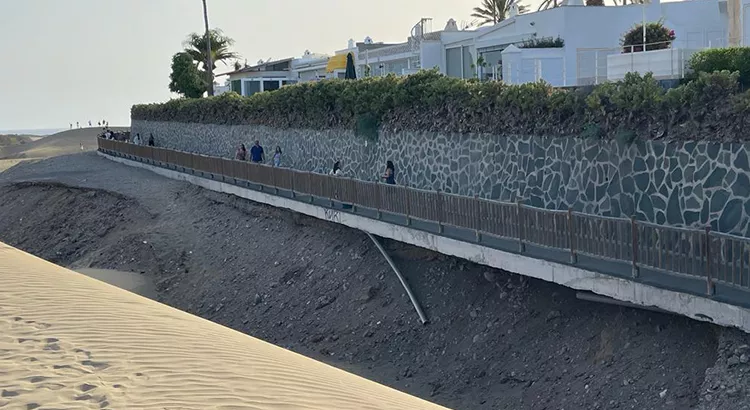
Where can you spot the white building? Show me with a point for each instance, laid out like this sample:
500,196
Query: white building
310,67
591,34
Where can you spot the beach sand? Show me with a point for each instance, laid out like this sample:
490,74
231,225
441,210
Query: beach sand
70,341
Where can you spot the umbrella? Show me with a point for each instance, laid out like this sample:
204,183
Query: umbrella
351,73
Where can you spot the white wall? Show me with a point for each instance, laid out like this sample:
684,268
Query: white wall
431,55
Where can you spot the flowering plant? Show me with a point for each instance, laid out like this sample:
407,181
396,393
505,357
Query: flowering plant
658,37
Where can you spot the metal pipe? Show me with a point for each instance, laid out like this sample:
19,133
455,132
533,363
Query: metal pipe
592,297
401,278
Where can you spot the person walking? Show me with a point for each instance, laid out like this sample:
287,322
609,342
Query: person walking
277,157
137,139
151,140
390,173
336,171
256,153
241,154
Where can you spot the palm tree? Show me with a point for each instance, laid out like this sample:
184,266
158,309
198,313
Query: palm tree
196,46
495,11
209,64
550,4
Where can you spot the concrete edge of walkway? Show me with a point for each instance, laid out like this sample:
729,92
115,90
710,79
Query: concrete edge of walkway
695,307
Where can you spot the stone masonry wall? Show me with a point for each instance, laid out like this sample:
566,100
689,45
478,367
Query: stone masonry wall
677,183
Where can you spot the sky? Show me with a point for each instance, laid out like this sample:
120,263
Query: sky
78,60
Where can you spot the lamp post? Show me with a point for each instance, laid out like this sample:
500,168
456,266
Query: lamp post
209,63
643,24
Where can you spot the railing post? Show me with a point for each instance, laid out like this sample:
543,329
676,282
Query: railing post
477,219
441,210
710,285
408,205
571,236
309,186
634,234
378,202
519,222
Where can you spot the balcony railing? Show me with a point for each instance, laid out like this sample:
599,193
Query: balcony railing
684,253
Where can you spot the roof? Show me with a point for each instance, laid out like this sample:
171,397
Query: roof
257,67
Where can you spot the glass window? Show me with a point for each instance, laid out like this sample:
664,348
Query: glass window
453,62
252,87
468,62
270,85
237,86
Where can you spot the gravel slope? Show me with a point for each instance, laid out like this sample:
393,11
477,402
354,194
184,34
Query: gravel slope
495,341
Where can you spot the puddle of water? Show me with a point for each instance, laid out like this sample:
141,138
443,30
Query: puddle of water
130,281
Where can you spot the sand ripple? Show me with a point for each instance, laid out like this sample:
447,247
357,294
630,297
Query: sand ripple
69,341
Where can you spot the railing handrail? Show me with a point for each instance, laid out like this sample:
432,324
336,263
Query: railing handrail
608,237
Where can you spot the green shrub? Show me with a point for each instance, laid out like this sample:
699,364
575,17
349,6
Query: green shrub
544,42
721,59
658,37
710,107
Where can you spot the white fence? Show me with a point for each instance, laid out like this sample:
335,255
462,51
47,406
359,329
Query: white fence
534,64
664,60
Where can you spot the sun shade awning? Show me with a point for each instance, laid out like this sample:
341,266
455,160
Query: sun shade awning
337,62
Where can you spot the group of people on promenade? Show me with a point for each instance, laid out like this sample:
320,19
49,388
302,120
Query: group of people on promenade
101,123
125,137
258,156
139,141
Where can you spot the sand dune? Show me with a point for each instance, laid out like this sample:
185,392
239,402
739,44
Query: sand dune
70,341
62,143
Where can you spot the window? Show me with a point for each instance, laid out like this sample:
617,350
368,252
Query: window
468,62
270,85
252,87
236,86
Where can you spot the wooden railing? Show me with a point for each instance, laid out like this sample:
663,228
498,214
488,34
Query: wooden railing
697,253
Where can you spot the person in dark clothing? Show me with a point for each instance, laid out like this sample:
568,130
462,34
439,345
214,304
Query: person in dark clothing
390,173
256,153
336,169
151,140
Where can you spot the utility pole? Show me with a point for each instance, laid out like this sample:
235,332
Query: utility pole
209,63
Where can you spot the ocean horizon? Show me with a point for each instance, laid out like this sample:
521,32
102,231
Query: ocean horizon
39,131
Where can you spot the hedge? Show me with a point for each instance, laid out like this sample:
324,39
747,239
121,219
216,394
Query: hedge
719,59
711,107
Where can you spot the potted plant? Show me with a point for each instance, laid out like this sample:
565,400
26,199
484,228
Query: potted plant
658,37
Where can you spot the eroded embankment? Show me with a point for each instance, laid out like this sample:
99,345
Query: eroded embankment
495,340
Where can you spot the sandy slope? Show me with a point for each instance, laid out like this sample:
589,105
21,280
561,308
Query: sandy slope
69,341
62,143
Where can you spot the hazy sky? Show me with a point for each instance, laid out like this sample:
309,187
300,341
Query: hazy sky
74,60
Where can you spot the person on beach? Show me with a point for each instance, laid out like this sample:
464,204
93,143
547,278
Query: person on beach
78,125
256,153
277,157
151,140
390,173
241,154
336,171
